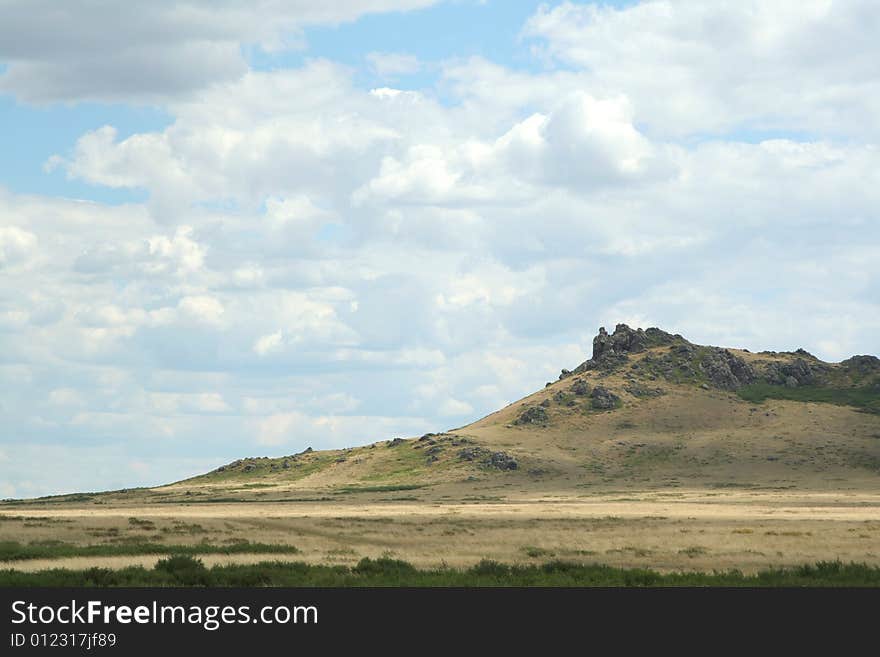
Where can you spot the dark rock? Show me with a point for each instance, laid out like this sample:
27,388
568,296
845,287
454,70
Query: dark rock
603,399
802,371
250,467
791,382
726,370
436,449
533,415
431,459
471,453
612,350
285,464
580,387
307,450
396,442
501,461
341,459
639,390
862,365
545,403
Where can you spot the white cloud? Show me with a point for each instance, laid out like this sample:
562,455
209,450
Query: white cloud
455,407
65,397
311,249
268,343
16,245
693,67
202,308
297,430
80,51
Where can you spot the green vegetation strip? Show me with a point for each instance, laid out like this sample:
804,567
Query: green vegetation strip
14,551
185,570
865,397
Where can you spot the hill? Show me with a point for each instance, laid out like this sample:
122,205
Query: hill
649,409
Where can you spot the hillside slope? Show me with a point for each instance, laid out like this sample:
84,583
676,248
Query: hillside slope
648,410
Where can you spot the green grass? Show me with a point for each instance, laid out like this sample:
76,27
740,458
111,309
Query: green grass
184,570
15,551
866,398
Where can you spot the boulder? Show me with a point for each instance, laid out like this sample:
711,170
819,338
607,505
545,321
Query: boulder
501,461
533,415
726,370
603,399
470,453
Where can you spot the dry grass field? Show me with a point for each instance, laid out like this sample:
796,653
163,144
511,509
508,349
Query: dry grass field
684,530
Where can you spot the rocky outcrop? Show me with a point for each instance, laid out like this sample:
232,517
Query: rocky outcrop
470,453
612,350
639,390
726,370
799,372
861,365
501,461
602,399
489,459
533,415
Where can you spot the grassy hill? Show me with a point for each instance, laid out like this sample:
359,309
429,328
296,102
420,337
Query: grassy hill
648,410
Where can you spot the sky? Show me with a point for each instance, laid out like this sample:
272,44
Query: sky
246,228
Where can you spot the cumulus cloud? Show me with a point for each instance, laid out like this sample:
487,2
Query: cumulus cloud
16,245
693,67
322,264
154,50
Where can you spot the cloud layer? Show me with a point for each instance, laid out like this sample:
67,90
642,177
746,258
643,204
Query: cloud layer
324,264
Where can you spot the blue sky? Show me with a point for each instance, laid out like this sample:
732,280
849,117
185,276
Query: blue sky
251,229
444,31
